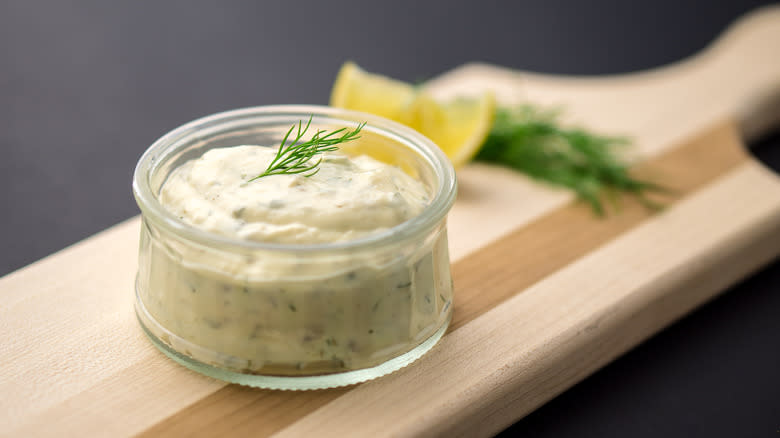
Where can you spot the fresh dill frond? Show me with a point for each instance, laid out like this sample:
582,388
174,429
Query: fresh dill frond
533,142
296,157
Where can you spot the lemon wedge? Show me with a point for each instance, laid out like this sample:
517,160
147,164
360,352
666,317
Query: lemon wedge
458,127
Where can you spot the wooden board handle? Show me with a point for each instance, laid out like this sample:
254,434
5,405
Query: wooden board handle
747,57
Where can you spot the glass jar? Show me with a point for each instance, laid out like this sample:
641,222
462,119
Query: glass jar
294,316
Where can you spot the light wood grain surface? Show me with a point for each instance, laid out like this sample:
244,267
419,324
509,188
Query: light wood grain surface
545,292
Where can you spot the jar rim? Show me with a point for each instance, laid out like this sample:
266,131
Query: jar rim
431,216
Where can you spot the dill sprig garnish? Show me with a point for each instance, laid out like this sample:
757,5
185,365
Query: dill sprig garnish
533,142
295,157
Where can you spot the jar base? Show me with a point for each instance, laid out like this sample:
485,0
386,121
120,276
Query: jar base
292,383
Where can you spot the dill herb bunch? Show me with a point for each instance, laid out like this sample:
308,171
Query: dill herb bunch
533,142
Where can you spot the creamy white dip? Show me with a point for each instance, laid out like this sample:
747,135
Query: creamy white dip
346,199
288,314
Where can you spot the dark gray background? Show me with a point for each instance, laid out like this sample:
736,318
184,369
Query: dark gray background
85,87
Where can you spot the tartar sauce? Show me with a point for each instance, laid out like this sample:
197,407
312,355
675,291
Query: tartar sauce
348,198
295,314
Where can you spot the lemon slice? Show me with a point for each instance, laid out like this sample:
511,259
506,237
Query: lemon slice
355,89
458,127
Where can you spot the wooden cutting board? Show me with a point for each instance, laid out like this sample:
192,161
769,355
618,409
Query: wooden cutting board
546,293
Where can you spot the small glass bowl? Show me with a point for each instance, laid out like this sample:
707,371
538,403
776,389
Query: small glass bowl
294,316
